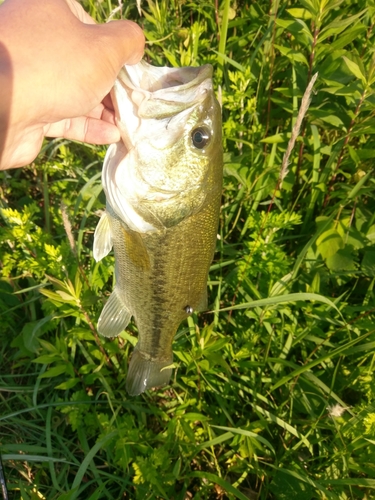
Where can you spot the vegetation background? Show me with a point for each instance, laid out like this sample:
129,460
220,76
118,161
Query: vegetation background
273,392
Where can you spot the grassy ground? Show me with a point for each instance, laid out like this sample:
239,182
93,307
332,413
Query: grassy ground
273,392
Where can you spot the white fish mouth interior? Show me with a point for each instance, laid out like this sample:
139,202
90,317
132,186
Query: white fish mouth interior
150,78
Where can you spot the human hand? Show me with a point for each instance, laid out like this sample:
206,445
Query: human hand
56,70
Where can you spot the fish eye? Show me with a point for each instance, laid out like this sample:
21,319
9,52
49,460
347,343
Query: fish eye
200,137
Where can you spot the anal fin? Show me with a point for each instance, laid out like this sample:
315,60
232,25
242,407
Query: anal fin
146,373
114,317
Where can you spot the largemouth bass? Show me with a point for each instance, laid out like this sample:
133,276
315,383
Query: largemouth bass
163,184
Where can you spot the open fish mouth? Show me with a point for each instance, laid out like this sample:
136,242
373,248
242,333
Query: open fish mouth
152,78
165,95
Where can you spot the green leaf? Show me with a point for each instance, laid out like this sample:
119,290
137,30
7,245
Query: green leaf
88,459
69,384
285,425
333,120
342,260
345,38
368,263
320,359
215,441
354,69
51,295
55,371
293,55
227,59
371,234
359,482
354,192
217,359
66,296
299,13
32,331
329,242
303,478
33,458
296,28
192,417
276,139
250,434
280,299
47,359
287,487
339,25
208,476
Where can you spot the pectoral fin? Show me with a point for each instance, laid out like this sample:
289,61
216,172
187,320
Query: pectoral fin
102,238
115,316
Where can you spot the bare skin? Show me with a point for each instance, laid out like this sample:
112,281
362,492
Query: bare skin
56,70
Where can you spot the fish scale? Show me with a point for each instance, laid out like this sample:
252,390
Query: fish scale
163,202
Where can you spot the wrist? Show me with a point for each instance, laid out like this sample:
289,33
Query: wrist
5,104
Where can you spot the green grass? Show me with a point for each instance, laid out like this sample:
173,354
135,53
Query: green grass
273,392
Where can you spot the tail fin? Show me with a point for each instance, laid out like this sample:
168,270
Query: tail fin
145,373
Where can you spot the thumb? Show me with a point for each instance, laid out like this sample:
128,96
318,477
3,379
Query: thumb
123,41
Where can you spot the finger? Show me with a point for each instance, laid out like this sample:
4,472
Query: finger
126,38
107,101
121,42
85,129
79,12
103,112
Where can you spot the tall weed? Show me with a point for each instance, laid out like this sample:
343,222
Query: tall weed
272,395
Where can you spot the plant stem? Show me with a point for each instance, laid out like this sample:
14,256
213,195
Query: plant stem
303,129
223,37
346,141
47,219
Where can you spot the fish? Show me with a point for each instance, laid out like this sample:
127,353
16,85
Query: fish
163,185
